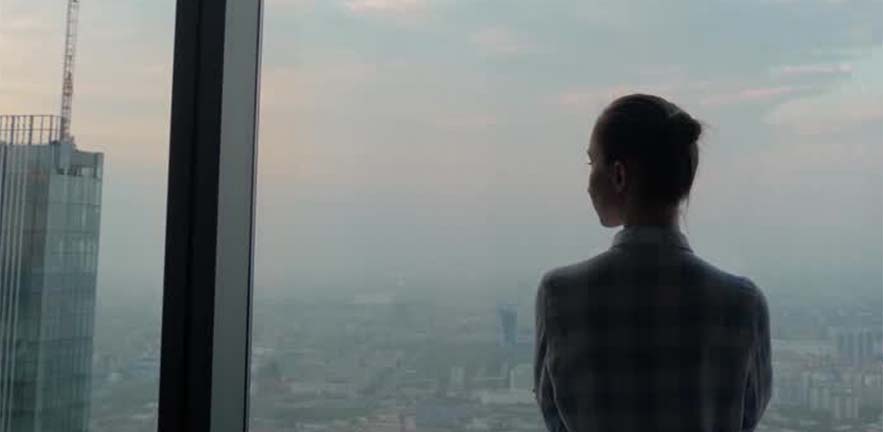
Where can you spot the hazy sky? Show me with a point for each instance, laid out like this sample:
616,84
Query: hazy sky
439,145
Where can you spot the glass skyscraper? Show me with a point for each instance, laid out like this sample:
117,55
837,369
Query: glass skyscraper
50,206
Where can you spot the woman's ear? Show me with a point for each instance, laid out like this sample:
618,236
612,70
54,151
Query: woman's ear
620,177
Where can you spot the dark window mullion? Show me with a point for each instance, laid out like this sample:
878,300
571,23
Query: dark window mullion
204,368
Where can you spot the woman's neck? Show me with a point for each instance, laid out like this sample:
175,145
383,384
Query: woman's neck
665,217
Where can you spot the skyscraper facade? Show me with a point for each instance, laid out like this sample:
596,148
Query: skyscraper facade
508,325
50,207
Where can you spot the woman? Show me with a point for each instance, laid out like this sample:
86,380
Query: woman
647,336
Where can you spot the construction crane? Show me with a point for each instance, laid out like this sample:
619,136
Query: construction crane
67,84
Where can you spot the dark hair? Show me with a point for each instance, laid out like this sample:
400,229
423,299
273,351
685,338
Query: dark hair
659,138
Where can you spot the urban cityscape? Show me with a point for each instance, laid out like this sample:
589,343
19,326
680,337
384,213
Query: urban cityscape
376,363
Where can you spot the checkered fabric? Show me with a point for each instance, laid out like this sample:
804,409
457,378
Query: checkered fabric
649,337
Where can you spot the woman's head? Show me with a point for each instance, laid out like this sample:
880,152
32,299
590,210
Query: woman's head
644,155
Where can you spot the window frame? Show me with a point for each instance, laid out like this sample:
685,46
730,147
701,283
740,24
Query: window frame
207,285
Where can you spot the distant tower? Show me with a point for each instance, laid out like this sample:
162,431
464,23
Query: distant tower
457,380
50,205
508,325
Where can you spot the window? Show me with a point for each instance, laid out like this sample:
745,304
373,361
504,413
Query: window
82,213
420,168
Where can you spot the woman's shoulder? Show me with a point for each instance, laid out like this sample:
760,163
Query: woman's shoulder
581,272
725,282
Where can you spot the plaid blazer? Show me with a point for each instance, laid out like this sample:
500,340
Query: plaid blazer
649,337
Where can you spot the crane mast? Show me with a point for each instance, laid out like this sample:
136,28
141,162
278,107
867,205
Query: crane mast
67,85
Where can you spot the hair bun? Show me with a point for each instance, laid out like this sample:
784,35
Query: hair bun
684,128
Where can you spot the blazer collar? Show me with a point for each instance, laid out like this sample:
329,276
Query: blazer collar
654,235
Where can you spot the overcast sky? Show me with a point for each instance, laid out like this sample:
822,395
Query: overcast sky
439,145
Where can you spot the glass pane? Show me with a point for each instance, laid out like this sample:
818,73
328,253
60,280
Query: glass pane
82,212
422,165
